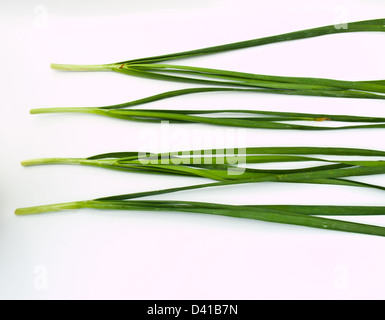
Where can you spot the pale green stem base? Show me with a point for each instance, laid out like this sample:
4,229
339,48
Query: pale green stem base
63,110
92,204
37,162
74,67
49,208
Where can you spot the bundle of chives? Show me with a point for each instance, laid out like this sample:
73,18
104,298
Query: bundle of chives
217,169
241,118
151,68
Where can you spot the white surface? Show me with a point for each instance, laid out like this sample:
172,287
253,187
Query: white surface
137,255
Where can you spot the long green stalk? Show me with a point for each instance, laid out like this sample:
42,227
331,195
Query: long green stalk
239,118
294,215
228,166
150,68
291,85
254,119
224,175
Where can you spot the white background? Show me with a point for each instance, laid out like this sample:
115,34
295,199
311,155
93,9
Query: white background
90,254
